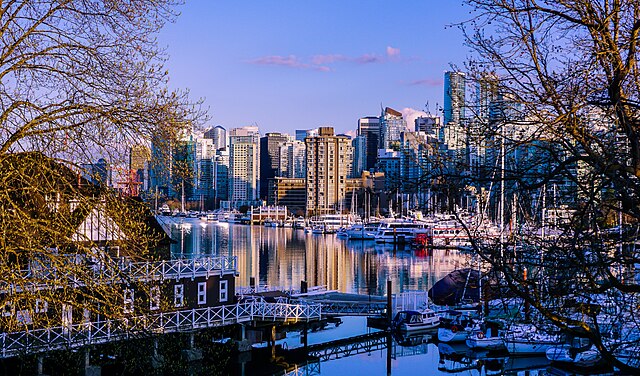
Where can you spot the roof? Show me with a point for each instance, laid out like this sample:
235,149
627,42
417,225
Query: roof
391,111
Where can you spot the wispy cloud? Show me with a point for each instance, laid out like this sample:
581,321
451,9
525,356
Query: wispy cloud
290,61
392,52
429,82
322,62
328,59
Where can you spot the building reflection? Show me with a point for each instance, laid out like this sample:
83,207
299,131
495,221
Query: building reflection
284,257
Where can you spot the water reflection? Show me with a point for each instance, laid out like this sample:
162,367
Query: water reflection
284,257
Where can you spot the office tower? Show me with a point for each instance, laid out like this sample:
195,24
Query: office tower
454,97
219,136
244,166
139,156
369,128
183,169
221,176
270,159
391,125
359,147
293,163
301,134
428,124
326,172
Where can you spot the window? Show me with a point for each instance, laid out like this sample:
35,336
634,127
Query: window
8,309
128,300
154,298
202,293
41,306
178,295
224,291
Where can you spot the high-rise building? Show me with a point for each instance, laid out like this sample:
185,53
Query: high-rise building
392,125
293,162
454,97
369,128
428,124
244,166
326,172
183,169
219,136
270,159
221,176
301,134
359,147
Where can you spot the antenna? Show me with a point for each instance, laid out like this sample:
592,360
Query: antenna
426,106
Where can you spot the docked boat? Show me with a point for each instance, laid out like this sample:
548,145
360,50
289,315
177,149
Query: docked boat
487,336
212,218
407,321
330,223
569,355
455,327
527,339
449,233
628,354
399,231
361,231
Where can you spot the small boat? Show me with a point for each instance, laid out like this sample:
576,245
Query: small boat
628,354
526,339
454,327
487,336
212,218
569,355
360,231
416,320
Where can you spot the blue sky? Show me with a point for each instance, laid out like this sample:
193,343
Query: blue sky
287,65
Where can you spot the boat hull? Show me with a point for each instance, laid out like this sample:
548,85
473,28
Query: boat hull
448,335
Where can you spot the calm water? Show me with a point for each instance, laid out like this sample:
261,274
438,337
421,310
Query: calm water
284,257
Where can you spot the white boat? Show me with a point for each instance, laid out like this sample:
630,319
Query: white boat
526,339
399,231
455,327
361,231
330,223
567,354
449,233
212,218
628,354
489,338
407,321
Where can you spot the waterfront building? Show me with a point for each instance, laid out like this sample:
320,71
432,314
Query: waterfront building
218,135
359,160
244,166
220,177
270,159
369,128
183,169
288,192
391,125
139,156
326,172
293,162
454,96
390,164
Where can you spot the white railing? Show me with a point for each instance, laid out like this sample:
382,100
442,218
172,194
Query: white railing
250,290
121,270
410,301
92,333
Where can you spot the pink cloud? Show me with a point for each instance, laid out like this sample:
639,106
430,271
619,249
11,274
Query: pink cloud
328,59
290,61
368,59
430,82
392,52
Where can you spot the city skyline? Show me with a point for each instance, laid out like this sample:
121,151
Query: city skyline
290,66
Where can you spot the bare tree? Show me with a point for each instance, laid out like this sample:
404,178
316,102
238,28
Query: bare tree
79,80
565,139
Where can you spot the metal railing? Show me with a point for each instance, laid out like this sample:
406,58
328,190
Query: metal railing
93,333
77,274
